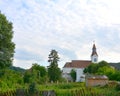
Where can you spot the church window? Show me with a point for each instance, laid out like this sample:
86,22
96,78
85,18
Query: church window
95,59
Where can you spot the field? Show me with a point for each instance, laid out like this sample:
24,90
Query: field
69,89
79,89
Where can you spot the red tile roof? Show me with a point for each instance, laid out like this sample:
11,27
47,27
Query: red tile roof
77,64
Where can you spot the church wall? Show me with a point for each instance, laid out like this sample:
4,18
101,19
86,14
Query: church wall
79,73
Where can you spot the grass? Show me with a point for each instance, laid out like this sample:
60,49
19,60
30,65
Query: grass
79,89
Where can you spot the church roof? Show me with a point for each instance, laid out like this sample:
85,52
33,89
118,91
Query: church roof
94,53
94,50
77,64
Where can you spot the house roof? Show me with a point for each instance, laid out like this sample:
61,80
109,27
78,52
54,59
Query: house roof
77,64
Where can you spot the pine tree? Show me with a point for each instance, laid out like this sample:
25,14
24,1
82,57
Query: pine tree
54,71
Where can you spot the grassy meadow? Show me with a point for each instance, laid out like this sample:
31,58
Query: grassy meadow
72,89
79,89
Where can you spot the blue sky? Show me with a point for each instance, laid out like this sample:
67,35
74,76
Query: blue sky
68,26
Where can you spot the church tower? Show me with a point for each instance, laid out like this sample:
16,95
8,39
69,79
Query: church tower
94,55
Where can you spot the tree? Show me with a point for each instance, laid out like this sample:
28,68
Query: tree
6,45
92,68
27,77
36,73
103,63
73,74
41,70
54,71
108,71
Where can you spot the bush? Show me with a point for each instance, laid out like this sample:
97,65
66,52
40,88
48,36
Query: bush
118,87
32,88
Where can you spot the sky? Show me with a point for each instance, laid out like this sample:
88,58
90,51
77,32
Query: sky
68,26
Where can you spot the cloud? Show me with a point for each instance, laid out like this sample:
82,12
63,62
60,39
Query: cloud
68,26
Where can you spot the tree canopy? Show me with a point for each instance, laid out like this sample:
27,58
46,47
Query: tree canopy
103,68
36,74
93,67
54,71
6,45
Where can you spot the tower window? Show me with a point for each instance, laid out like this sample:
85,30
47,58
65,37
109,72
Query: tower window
95,59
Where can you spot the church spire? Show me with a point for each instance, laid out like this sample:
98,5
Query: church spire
94,55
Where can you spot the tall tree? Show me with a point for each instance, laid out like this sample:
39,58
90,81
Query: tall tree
54,71
6,45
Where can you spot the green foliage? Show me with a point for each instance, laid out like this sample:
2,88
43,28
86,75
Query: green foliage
68,89
32,88
36,73
41,70
73,74
10,79
64,86
53,57
54,71
6,45
118,87
103,68
79,89
27,77
116,76
92,68
102,64
106,70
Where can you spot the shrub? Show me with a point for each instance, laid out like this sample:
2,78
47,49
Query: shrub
32,88
118,87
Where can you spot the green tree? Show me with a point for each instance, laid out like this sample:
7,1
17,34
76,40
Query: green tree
92,68
41,70
36,73
54,71
116,75
27,77
73,74
6,45
41,73
108,71
103,63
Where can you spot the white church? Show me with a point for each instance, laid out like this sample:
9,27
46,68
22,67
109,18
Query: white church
78,66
